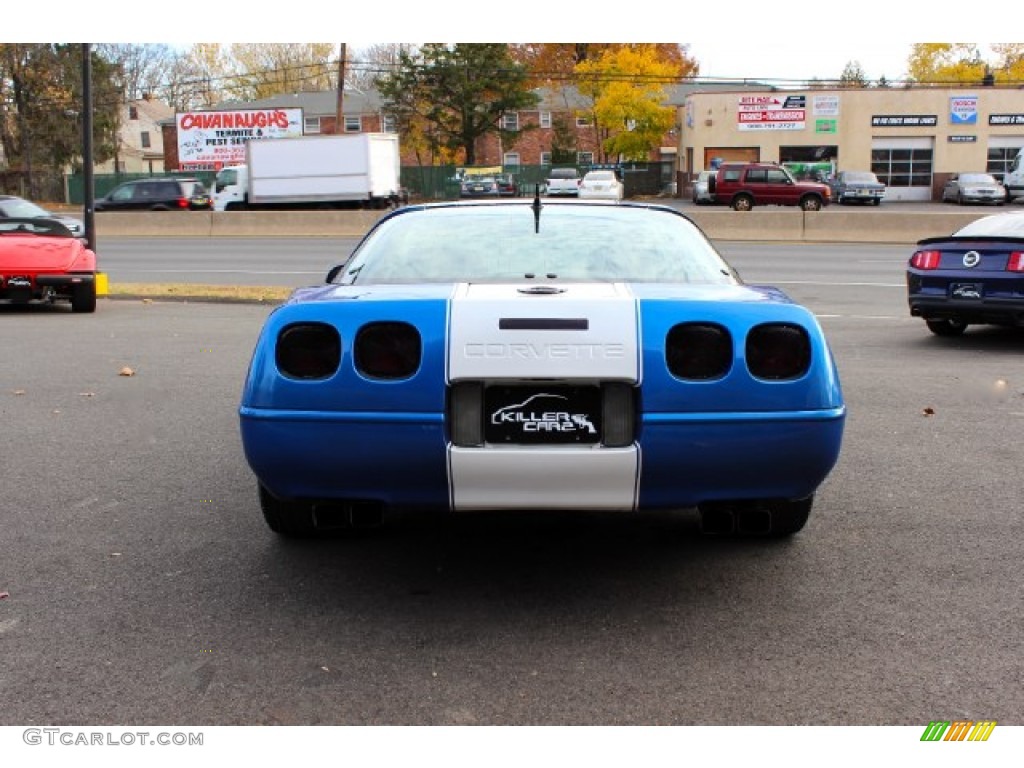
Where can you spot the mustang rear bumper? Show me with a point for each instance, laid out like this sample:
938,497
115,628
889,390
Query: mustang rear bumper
996,311
405,460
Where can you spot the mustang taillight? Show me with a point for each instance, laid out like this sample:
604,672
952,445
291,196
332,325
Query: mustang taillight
1016,262
388,350
698,351
778,351
925,260
308,351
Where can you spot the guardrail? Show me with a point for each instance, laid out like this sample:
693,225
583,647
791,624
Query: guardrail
764,225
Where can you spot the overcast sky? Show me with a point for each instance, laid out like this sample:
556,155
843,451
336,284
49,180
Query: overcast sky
757,39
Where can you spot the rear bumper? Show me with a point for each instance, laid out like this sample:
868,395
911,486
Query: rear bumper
406,461
25,288
980,312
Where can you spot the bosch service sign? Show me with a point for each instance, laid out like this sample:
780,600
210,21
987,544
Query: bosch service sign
963,110
771,113
216,139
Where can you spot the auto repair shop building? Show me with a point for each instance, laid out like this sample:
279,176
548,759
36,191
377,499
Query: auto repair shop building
912,138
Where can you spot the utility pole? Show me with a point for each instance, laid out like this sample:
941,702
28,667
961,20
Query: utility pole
339,125
87,169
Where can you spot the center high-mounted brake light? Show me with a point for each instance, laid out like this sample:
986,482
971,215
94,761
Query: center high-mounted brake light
925,260
1016,262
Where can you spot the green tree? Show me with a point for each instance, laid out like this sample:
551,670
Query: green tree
41,105
456,94
626,88
563,141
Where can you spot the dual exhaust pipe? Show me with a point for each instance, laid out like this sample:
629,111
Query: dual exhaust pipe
348,515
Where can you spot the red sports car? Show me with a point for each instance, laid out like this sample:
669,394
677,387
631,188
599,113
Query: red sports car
40,260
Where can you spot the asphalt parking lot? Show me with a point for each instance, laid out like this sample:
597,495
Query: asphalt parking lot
142,585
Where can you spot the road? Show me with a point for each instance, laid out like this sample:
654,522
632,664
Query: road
143,587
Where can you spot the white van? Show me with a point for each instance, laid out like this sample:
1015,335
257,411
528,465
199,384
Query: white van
1014,178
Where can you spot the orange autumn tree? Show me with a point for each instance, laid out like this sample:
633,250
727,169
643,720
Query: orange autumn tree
626,87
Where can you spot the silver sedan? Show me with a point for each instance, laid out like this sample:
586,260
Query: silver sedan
963,188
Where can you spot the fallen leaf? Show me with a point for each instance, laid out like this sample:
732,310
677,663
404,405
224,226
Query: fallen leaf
115,554
19,391
87,394
147,301
126,371
4,594
928,412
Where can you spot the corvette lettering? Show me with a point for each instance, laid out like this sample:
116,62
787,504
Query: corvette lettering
528,351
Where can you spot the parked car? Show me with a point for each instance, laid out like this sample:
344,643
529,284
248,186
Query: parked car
745,185
702,188
12,207
600,185
563,182
157,194
974,276
491,357
480,186
857,187
507,186
42,261
963,188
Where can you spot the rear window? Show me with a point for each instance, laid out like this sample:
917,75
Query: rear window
566,243
563,173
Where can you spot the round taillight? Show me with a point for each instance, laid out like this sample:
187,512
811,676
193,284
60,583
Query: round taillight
698,351
778,351
308,351
388,350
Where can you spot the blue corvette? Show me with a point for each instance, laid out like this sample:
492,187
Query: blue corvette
539,356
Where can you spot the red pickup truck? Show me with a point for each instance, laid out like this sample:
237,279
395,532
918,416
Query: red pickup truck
744,185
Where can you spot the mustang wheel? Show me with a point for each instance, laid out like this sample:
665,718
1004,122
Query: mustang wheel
84,298
946,327
288,518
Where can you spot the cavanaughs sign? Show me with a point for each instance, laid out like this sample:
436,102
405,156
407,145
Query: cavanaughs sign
211,140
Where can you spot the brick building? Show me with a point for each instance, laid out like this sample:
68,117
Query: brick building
364,111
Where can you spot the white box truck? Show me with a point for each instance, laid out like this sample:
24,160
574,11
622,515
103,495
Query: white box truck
355,170
1014,178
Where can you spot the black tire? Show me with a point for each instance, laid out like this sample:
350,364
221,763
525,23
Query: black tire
946,326
877,201
84,298
742,203
292,519
811,203
959,199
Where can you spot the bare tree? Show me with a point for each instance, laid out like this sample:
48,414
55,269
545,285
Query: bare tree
143,69
366,66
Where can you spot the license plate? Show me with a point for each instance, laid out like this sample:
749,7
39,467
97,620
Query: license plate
965,291
542,415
